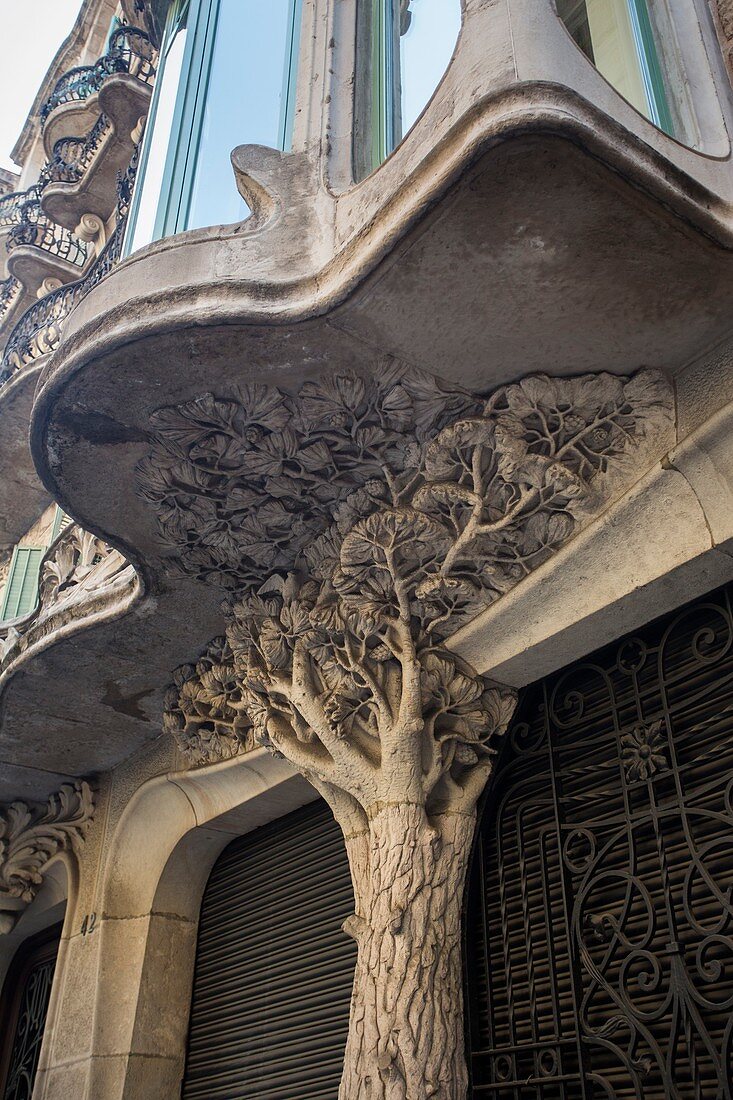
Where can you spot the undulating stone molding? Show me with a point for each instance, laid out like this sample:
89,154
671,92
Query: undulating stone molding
30,835
78,573
360,522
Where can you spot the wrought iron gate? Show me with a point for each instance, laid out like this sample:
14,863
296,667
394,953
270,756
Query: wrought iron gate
26,997
600,930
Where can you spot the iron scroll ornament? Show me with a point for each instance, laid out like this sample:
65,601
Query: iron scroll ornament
602,914
29,1031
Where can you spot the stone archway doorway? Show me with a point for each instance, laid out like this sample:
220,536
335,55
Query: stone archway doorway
600,930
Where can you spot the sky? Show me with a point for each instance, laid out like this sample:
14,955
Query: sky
31,32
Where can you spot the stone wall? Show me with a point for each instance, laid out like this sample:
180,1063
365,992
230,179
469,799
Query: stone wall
723,9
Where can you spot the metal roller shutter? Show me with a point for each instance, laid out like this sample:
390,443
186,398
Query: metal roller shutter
273,972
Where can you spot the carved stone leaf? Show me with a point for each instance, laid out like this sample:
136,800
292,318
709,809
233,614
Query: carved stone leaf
31,835
407,539
392,496
333,402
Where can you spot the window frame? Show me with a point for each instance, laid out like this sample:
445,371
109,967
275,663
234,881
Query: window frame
181,158
647,56
650,65
377,126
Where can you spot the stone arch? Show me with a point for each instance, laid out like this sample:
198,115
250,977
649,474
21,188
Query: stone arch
50,906
137,965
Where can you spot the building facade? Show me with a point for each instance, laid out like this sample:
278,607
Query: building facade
366,521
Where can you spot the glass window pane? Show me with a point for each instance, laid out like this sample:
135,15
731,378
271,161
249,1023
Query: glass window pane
631,42
246,101
157,141
426,47
228,79
403,49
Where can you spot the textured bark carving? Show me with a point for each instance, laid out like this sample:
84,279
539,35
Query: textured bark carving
30,836
361,524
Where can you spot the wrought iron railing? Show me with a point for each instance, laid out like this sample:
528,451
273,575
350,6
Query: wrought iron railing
35,229
72,156
130,51
10,290
40,328
10,207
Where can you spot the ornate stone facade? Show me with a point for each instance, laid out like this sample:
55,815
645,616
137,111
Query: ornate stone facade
79,571
384,556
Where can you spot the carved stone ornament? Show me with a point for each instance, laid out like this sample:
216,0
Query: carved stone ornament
30,836
360,523
203,708
78,572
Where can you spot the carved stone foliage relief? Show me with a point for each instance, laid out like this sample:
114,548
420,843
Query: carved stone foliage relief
475,491
30,836
358,524
471,492
244,485
79,570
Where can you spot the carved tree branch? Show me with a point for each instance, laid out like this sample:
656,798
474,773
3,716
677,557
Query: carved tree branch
358,524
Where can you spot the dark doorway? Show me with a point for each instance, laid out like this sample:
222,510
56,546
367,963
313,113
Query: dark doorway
23,1010
274,970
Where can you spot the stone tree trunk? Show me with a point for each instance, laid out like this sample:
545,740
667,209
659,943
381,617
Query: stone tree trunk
361,523
405,797
406,1029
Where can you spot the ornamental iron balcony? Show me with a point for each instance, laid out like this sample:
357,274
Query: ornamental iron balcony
10,206
72,156
40,328
10,291
131,52
33,229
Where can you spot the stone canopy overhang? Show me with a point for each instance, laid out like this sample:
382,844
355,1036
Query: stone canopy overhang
532,236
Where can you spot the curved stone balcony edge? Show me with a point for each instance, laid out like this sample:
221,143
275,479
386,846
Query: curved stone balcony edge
274,183
75,594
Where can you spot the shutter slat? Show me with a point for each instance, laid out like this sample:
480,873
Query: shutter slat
274,970
21,588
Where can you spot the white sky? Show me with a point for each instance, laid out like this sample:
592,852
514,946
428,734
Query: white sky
31,31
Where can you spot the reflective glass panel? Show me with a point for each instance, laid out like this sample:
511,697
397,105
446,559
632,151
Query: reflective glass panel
403,50
246,101
158,136
427,42
632,44
227,78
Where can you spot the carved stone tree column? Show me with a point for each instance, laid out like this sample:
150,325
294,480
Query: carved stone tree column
359,524
345,678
